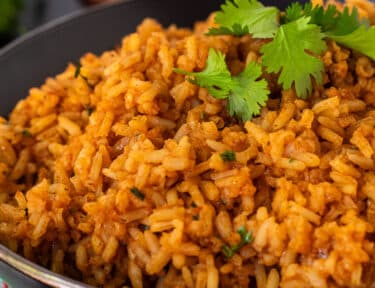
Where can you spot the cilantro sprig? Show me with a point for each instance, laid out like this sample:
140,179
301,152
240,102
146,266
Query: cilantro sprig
329,19
296,43
216,77
77,73
246,238
344,27
245,93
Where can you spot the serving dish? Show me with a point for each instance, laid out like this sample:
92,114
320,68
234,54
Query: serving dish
26,62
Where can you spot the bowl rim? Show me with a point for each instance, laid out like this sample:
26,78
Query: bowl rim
58,23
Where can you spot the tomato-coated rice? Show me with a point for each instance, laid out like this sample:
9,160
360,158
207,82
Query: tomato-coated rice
112,174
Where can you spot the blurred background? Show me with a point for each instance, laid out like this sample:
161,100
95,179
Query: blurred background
19,16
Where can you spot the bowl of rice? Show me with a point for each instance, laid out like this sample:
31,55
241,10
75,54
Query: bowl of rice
120,171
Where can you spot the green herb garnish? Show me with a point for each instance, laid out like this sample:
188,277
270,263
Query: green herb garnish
343,27
361,40
249,93
245,93
297,41
89,109
77,74
227,251
78,70
216,77
329,19
137,193
27,133
287,54
291,160
246,238
87,81
228,156
203,115
242,17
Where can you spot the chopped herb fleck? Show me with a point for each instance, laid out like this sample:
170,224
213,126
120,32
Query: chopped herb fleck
196,217
137,193
78,70
89,110
77,73
291,160
144,227
228,156
87,82
227,251
203,115
26,133
246,238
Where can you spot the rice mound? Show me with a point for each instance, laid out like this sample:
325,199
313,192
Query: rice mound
112,174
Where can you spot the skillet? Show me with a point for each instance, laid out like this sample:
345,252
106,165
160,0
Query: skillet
44,52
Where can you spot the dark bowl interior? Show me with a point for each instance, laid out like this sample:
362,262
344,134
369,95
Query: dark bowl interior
44,52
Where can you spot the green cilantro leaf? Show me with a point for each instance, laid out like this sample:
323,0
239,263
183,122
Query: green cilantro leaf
290,53
361,40
325,18
215,77
329,19
292,13
244,92
248,94
346,22
343,27
240,17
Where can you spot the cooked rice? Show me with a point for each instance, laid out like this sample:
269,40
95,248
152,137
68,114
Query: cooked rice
115,177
